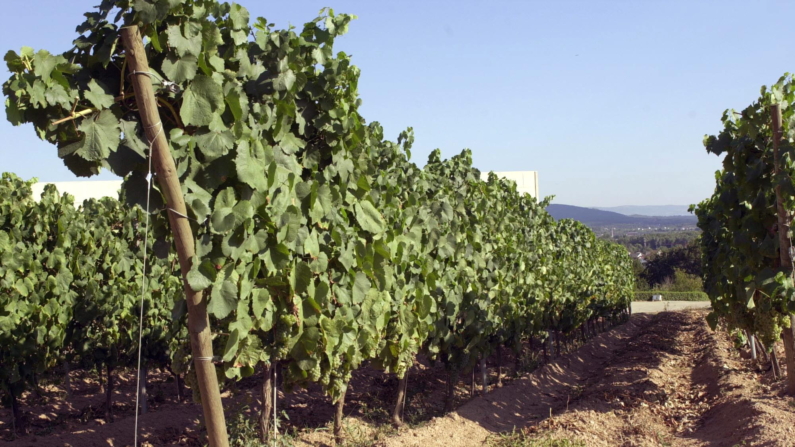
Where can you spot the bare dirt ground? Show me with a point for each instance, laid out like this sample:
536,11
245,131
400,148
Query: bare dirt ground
662,379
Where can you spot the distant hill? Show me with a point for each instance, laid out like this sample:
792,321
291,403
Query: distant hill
599,218
648,210
589,216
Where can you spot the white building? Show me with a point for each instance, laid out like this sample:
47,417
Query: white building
526,181
82,190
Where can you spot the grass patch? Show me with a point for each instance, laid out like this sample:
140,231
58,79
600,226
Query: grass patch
243,429
523,439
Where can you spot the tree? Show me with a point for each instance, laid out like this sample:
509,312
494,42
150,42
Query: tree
662,267
638,270
681,282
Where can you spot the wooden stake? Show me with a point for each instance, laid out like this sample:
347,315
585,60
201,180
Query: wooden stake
101,383
400,403
180,387
267,402
752,343
484,376
109,395
557,341
499,366
452,381
784,247
774,362
198,320
143,395
472,383
762,352
339,439
67,380
17,418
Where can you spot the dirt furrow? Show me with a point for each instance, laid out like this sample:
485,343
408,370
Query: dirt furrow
677,384
662,380
529,400
659,380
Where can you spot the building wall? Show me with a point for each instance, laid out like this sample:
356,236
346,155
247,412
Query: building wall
526,181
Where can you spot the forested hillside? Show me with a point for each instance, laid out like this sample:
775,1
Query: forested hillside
598,219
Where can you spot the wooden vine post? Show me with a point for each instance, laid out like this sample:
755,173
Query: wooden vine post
784,245
198,320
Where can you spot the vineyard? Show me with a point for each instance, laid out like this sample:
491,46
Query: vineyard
747,241
271,252
320,248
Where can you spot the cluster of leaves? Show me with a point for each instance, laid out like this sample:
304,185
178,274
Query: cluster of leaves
40,249
319,244
748,287
70,285
104,329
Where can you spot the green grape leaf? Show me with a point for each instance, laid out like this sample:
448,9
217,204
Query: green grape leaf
189,42
131,137
180,69
201,100
101,136
369,217
291,144
251,164
231,346
201,275
223,299
300,277
239,16
98,96
215,144
285,81
360,288
223,218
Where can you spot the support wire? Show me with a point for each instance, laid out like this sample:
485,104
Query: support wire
143,283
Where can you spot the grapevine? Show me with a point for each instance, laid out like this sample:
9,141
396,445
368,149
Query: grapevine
320,245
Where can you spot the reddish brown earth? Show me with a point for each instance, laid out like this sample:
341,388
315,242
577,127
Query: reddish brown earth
659,380
662,380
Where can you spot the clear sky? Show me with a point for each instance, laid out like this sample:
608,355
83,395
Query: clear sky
608,100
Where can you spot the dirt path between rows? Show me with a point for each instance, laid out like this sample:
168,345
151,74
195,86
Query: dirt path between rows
528,400
659,380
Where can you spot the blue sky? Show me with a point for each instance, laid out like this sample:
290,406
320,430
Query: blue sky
608,100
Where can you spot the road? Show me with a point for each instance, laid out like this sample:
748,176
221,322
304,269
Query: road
652,307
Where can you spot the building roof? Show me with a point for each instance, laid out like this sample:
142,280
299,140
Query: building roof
526,181
82,190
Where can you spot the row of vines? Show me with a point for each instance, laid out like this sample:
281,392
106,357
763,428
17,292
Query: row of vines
70,289
320,246
746,241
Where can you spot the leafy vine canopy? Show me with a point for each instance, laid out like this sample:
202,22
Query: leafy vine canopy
318,244
263,125
748,287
